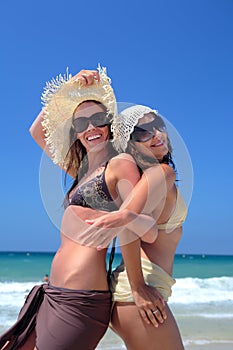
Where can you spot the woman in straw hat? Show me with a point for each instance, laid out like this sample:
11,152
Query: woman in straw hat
73,310
141,132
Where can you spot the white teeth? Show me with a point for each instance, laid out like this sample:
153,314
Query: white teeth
158,144
90,138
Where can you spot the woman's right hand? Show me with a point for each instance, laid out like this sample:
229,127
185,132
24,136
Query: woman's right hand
142,226
119,218
74,226
86,77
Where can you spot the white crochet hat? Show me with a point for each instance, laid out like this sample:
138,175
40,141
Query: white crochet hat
61,97
124,123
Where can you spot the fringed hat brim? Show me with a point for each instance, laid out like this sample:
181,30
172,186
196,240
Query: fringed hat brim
60,99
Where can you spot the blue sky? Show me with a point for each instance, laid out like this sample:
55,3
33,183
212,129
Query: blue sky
175,56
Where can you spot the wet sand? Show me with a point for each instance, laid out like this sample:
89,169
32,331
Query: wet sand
112,342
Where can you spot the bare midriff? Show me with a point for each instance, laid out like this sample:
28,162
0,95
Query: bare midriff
162,251
78,267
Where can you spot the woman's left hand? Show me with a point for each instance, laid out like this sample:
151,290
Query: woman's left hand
150,303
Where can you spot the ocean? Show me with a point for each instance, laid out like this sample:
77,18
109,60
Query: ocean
202,299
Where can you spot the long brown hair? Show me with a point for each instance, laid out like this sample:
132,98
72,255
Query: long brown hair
77,153
144,162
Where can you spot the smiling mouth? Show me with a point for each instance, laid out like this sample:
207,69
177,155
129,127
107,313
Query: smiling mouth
158,144
93,137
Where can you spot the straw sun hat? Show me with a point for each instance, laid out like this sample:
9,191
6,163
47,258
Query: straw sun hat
60,98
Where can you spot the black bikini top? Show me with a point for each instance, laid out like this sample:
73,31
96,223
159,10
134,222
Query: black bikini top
92,194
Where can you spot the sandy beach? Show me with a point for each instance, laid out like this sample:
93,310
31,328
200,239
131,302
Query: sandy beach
212,346
197,334
112,341
202,305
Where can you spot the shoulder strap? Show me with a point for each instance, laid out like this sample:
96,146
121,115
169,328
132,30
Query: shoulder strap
111,258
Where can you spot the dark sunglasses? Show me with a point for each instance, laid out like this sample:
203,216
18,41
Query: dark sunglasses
99,119
145,132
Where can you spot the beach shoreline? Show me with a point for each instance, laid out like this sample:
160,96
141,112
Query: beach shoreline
114,342
211,346
201,301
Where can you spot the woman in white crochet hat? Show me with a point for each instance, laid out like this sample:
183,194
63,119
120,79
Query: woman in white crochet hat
141,132
72,311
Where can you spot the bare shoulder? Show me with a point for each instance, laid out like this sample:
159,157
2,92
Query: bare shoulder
123,157
161,171
122,160
124,166
169,172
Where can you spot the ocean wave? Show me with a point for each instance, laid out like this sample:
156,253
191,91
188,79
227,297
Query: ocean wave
186,291
197,290
9,287
13,293
206,342
213,315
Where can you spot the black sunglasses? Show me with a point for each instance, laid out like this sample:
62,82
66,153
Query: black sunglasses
99,119
145,132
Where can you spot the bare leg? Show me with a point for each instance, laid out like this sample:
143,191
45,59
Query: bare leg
137,335
30,342
7,345
28,345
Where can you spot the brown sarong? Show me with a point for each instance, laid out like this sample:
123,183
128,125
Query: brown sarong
66,320
19,332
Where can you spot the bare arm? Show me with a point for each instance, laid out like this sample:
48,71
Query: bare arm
146,298
148,196
138,201
37,131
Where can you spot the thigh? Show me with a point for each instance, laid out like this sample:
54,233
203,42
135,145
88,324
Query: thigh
64,327
137,335
30,342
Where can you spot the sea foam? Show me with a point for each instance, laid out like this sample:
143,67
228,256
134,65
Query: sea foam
197,290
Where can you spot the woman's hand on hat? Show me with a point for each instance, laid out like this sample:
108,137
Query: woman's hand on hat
87,77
